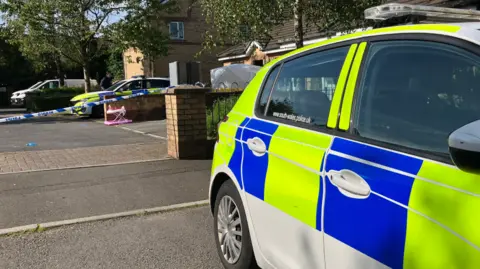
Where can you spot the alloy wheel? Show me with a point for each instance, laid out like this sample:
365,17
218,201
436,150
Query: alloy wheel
229,226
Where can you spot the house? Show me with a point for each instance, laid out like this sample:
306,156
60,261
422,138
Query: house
186,30
259,52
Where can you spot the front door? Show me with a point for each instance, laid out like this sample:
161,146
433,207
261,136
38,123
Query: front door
284,147
393,197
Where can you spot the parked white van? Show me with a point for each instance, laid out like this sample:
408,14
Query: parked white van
18,97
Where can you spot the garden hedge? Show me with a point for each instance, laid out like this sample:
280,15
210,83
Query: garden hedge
51,99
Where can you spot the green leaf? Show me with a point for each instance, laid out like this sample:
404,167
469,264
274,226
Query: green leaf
235,22
78,31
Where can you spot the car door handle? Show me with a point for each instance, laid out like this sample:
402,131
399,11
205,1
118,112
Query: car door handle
349,183
257,146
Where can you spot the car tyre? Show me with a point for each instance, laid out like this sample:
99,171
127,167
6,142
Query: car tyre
97,112
231,254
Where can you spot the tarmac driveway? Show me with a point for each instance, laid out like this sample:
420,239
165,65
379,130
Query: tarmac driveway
155,128
64,132
66,141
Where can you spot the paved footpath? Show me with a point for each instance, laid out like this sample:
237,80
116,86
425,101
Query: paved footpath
24,161
32,198
181,239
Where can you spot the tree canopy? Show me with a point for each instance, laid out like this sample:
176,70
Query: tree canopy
79,30
233,22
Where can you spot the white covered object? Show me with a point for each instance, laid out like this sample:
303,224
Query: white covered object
233,76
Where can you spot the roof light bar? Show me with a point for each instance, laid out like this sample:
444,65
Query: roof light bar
395,10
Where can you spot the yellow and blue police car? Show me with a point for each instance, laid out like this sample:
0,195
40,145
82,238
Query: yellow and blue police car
380,171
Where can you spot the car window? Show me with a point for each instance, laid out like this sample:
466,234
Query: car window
157,83
34,86
115,85
133,85
53,84
304,88
415,93
44,86
136,85
267,88
124,87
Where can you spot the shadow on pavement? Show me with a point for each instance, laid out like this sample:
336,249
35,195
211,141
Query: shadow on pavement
50,120
12,110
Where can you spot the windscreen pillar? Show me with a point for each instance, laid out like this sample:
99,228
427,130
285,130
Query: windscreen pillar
186,122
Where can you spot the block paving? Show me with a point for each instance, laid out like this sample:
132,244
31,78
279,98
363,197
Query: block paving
24,161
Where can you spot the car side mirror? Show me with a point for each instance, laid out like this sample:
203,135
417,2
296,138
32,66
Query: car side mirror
464,147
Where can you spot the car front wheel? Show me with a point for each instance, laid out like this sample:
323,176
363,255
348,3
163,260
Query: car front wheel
232,236
97,112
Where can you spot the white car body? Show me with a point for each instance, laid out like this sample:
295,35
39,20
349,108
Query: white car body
342,230
18,97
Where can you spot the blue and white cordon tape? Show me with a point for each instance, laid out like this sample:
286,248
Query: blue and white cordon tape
66,109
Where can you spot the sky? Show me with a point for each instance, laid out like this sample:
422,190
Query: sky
116,17
112,19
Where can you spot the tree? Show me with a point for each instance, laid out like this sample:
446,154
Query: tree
39,54
77,30
19,71
115,65
15,70
229,18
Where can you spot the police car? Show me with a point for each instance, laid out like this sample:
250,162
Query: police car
383,172
120,88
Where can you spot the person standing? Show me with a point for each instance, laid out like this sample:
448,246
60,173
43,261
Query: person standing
106,82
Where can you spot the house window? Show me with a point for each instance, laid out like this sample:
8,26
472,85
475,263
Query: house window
176,30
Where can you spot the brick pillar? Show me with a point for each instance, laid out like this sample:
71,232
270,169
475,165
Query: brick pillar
186,122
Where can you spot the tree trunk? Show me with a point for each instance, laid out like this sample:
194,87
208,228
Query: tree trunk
298,22
152,67
86,76
59,67
85,50
86,68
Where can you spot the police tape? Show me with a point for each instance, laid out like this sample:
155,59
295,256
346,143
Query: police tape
90,104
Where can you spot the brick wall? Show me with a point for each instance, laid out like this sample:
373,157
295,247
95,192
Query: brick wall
186,50
184,107
180,50
184,53
186,122
142,108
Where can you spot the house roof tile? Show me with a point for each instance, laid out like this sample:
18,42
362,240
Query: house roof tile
234,50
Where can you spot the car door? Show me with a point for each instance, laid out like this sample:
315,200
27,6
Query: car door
44,86
284,146
131,87
393,197
51,85
157,83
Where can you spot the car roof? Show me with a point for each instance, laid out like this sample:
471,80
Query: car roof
472,25
469,31
139,78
